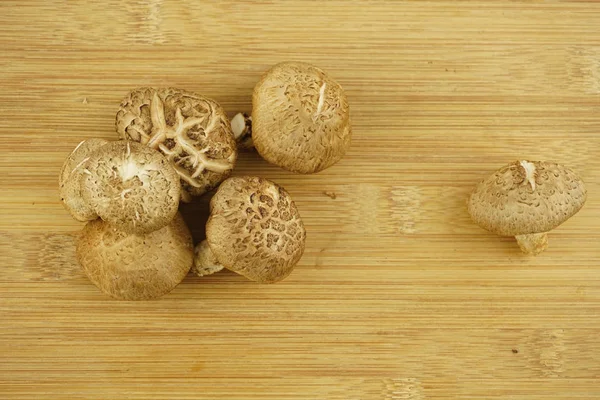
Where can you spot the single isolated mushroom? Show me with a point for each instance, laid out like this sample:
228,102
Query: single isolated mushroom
192,131
527,199
254,229
300,118
135,266
131,186
69,180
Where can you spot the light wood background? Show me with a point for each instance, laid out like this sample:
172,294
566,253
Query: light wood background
398,295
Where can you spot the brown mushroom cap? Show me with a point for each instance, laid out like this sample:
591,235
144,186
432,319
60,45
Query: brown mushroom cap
131,186
255,229
300,118
69,180
192,131
135,267
526,197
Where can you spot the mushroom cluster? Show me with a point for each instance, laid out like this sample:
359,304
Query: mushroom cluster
135,245
175,145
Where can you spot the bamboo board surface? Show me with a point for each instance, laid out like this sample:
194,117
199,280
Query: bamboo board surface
398,295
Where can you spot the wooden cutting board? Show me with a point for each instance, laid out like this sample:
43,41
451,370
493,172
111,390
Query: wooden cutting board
399,295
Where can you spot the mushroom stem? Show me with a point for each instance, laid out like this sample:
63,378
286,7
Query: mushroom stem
241,125
533,243
205,262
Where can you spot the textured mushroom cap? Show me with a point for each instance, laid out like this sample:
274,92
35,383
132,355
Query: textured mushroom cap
205,262
69,180
131,186
255,229
527,197
300,118
135,267
192,131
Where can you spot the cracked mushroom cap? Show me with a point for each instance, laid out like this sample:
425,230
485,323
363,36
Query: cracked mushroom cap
133,266
192,131
69,180
131,186
300,118
526,197
255,229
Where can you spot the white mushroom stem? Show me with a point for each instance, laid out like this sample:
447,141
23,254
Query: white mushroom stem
241,125
238,125
533,243
205,262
